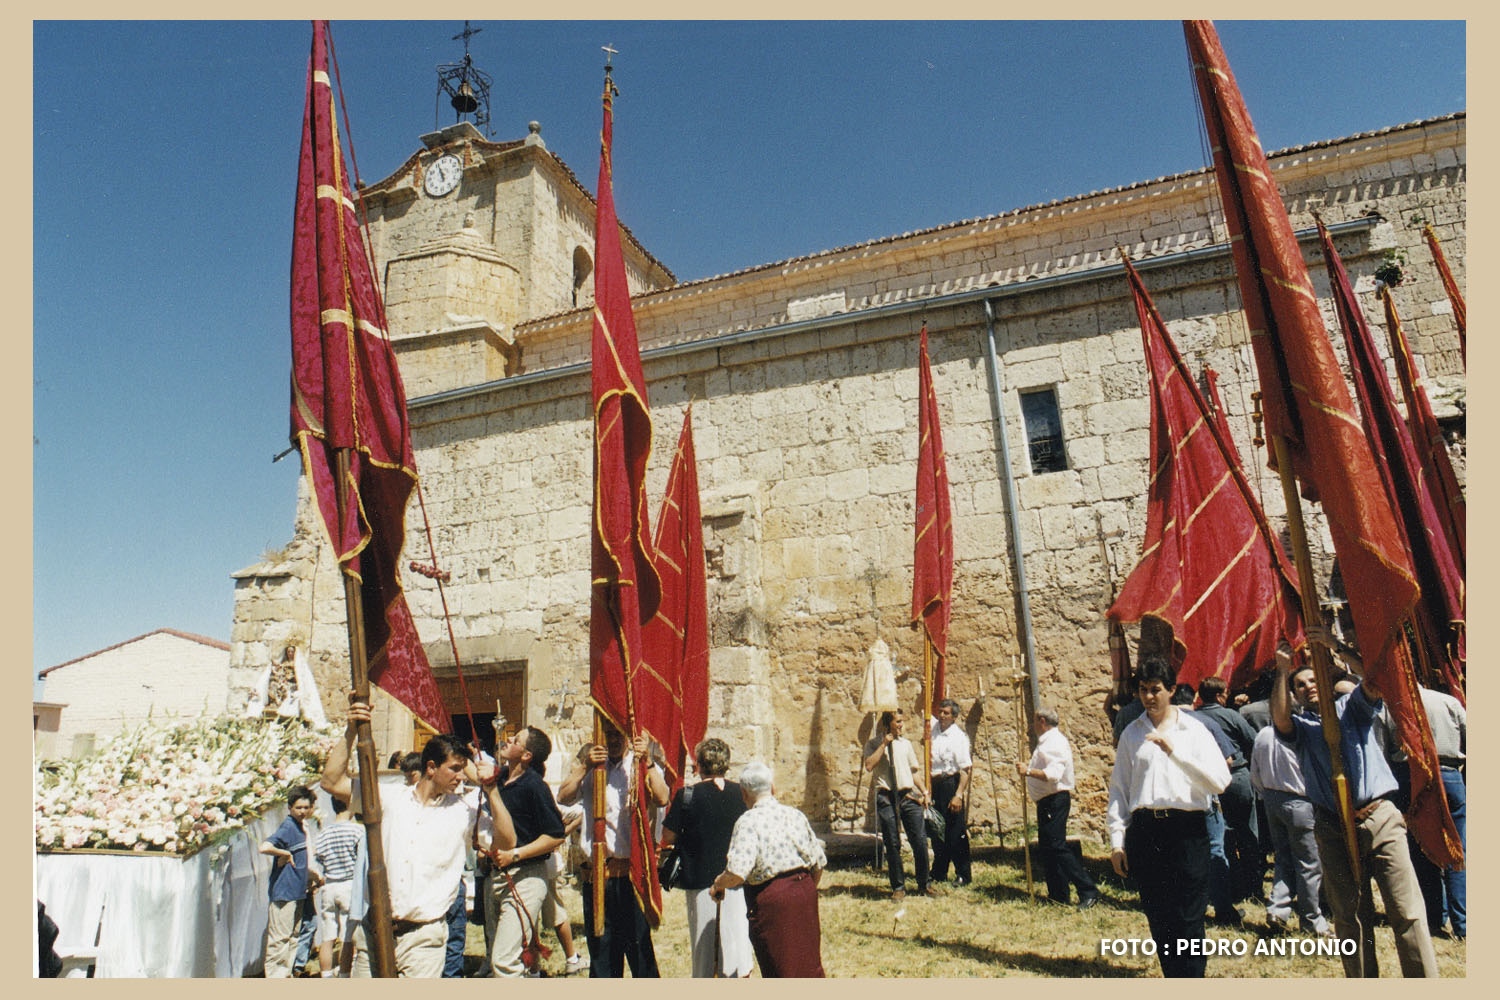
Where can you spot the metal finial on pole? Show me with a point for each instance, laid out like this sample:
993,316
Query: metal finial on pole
609,68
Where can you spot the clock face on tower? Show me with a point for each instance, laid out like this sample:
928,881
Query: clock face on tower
442,175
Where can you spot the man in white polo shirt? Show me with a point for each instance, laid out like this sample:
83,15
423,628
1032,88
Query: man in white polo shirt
1049,782
952,767
425,830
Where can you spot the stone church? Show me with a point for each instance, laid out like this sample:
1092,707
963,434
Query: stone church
802,374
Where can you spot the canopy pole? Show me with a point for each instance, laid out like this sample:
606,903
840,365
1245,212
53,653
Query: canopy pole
927,651
1018,682
383,947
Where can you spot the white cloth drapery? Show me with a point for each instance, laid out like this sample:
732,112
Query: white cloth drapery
162,916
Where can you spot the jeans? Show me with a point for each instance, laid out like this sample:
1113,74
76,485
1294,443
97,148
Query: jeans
1220,885
306,930
1240,835
458,927
916,832
1444,889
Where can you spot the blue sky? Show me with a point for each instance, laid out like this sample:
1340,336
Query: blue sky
165,157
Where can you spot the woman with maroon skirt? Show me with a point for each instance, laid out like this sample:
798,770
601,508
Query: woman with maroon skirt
774,853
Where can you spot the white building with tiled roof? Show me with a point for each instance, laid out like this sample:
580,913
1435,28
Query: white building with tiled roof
158,675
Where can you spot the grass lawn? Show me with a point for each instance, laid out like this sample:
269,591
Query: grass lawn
991,929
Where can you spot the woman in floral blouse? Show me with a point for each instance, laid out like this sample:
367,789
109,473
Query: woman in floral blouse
775,855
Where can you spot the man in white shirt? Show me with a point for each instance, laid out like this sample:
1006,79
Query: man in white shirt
952,768
1167,770
627,935
899,801
1049,782
425,831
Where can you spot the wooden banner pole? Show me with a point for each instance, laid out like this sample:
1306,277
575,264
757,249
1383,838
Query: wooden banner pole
1018,683
1322,661
383,946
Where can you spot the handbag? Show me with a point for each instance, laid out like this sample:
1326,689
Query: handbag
669,868
669,861
936,822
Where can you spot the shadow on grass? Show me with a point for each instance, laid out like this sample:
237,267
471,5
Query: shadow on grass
1000,893
1075,968
858,890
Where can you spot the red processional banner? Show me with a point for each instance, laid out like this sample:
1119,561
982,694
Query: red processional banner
932,559
1439,614
347,397
1432,450
1303,393
1440,605
1210,565
626,591
677,638
1455,297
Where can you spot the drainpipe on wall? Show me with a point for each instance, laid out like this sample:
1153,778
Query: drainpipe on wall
1013,511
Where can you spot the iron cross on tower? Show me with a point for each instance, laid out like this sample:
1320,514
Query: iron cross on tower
467,34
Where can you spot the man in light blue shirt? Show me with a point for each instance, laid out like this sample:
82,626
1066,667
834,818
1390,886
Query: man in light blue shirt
1380,824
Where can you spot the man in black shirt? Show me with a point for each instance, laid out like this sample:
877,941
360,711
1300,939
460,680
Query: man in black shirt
519,884
1242,838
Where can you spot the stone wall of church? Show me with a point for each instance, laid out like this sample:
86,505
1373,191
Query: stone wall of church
804,410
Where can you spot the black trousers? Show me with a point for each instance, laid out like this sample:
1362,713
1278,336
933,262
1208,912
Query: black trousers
1063,868
1167,851
916,832
955,843
627,936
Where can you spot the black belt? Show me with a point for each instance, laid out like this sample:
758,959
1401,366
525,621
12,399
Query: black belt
1454,762
407,926
1165,813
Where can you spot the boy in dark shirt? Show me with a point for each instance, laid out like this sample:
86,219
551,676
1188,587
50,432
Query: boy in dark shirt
519,885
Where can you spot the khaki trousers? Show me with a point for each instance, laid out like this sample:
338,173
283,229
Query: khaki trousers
420,952
281,938
505,924
1383,854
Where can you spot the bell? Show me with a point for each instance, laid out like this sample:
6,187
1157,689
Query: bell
463,101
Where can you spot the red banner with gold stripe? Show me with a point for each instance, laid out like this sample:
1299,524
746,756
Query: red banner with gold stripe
1303,393
1439,613
1455,297
347,396
1210,565
932,558
677,638
1432,449
626,592
1440,604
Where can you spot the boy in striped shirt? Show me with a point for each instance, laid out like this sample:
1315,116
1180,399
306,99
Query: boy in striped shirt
335,852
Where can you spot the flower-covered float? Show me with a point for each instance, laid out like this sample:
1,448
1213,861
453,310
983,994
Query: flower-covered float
147,849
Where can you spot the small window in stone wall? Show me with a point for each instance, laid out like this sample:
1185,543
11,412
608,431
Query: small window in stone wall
1044,433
